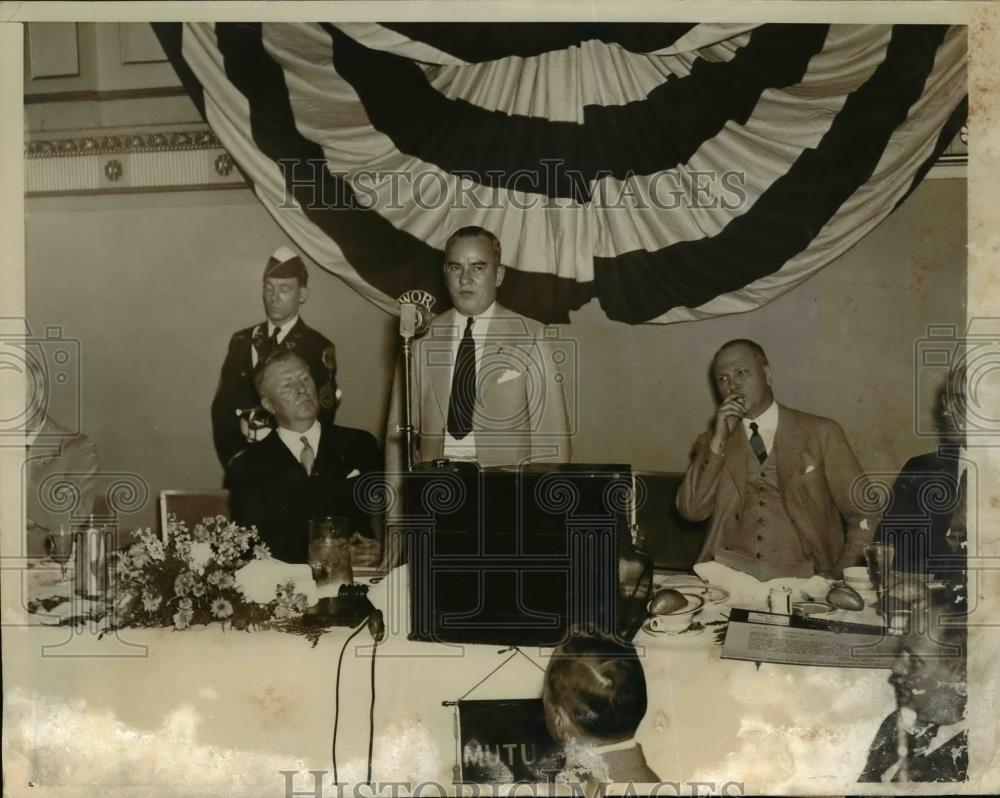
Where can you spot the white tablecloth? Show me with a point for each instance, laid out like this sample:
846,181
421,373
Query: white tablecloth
205,711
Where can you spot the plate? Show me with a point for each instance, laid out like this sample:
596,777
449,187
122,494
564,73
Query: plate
812,608
665,636
676,581
713,594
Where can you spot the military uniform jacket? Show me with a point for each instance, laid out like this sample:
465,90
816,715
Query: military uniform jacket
236,390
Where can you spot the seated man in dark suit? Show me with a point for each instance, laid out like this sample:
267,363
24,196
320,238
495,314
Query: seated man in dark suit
595,699
305,469
926,518
927,738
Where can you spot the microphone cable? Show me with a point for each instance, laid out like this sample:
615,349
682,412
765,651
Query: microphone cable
371,717
376,626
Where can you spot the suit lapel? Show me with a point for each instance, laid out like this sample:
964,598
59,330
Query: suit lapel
330,457
737,451
789,440
442,336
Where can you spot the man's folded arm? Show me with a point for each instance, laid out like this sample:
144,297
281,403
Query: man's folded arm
847,481
696,495
225,424
550,421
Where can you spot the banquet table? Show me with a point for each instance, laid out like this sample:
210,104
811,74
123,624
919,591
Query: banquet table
213,711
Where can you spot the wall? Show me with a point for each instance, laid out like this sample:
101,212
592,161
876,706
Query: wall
154,284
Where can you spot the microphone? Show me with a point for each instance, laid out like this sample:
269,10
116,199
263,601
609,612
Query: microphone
376,626
415,313
408,319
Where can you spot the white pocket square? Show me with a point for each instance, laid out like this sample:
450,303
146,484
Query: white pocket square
354,473
508,375
810,468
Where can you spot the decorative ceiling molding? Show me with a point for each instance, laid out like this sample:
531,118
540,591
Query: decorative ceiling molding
170,141
171,160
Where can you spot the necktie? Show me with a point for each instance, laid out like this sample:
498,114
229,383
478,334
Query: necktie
269,345
757,443
308,456
463,386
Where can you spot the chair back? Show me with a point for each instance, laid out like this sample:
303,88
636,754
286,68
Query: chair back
673,541
191,506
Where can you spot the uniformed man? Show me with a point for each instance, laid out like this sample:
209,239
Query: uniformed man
285,290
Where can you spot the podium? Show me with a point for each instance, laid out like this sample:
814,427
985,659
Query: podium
522,556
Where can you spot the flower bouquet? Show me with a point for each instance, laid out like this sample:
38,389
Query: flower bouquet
189,579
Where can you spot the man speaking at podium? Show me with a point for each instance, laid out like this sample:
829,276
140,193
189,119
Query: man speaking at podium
486,385
776,482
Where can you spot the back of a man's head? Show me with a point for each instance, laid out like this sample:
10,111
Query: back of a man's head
598,688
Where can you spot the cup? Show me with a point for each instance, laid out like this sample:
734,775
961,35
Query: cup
679,620
857,575
330,550
899,622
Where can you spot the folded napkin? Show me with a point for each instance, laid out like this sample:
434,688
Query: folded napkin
749,592
259,579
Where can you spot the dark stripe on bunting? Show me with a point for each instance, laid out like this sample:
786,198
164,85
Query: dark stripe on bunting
389,259
171,36
479,42
640,286
517,153
945,137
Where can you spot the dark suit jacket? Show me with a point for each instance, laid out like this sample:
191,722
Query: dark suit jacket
817,472
236,390
919,515
270,489
948,762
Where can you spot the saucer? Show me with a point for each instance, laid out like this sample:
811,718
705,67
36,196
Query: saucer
713,594
663,636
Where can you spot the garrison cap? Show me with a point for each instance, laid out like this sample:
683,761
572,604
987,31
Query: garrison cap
286,263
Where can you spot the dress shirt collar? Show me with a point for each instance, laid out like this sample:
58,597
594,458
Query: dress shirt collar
286,327
767,425
620,746
293,440
946,733
477,329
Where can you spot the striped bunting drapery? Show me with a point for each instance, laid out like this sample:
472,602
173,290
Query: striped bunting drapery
672,171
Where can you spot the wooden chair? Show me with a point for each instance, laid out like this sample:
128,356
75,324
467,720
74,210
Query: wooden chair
673,541
190,506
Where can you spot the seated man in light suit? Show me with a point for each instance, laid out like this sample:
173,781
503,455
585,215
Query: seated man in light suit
56,459
486,384
777,483
306,469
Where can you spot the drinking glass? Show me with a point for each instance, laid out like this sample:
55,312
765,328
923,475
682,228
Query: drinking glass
879,558
60,547
330,549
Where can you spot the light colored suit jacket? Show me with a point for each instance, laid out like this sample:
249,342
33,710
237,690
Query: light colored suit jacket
629,766
521,411
819,477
